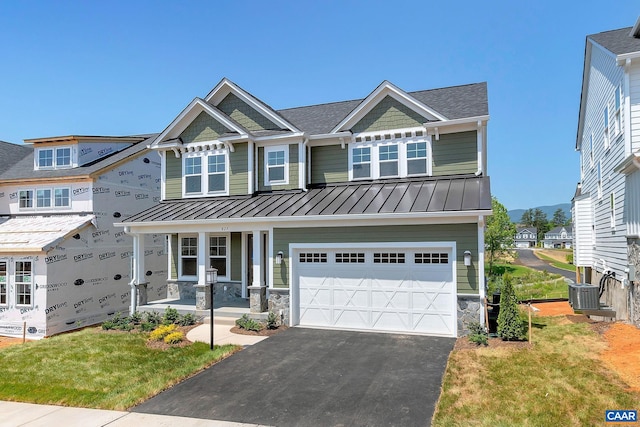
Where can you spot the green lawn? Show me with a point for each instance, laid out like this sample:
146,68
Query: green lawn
97,369
557,382
557,264
530,283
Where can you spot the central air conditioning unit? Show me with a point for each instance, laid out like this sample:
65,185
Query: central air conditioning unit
583,296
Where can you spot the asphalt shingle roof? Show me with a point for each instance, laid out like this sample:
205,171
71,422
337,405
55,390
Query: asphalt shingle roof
617,41
453,102
430,195
10,154
23,169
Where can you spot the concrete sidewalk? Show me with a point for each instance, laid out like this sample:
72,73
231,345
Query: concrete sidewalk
221,333
16,414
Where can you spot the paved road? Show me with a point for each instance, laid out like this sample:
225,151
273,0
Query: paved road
527,257
312,377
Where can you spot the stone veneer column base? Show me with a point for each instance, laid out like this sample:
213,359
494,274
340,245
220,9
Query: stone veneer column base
257,299
278,302
469,307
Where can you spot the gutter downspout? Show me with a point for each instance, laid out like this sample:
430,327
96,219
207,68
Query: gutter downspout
134,270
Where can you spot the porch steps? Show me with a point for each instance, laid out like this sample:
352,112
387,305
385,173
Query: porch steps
232,310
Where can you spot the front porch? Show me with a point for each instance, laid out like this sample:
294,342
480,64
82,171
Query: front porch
225,309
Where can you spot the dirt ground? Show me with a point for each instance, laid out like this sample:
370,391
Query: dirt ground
557,254
623,342
7,341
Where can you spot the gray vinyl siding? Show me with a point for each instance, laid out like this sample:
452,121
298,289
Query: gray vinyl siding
610,245
293,170
238,180
388,114
455,153
329,164
465,236
173,179
203,128
174,257
236,256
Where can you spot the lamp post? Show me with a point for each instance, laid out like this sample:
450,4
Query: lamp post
212,279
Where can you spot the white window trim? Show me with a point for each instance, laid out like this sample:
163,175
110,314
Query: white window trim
612,210
180,275
52,199
599,179
31,283
617,113
591,154
54,164
228,251
204,173
267,150
368,140
606,137
6,282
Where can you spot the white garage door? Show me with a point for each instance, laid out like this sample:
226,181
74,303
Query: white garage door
403,289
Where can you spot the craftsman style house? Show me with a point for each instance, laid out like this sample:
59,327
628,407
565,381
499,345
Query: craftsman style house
526,237
363,214
606,206
63,264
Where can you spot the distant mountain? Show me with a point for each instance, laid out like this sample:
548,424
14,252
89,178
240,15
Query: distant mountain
516,214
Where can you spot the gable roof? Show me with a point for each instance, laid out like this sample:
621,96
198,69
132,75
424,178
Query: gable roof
10,154
527,229
619,41
558,229
24,169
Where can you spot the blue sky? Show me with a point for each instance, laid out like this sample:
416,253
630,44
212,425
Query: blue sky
129,67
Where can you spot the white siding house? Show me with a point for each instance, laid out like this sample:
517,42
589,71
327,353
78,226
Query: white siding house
606,207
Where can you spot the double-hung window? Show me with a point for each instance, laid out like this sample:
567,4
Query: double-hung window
617,127
58,157
205,173
416,158
606,127
25,199
3,283
24,282
218,254
362,162
61,198
217,173
193,175
276,165
188,256
388,160
43,198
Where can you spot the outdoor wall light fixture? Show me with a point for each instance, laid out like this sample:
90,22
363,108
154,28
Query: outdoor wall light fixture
279,257
467,258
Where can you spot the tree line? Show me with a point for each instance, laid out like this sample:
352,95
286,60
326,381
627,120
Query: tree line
537,218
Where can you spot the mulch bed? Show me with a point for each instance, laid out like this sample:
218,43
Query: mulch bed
463,343
261,333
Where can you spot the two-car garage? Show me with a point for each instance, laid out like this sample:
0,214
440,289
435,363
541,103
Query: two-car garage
393,287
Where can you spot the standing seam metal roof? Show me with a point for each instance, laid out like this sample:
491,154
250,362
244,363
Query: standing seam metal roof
455,194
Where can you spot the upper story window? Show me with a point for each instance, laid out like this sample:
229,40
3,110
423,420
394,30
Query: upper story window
389,155
617,127
44,198
213,182
591,156
606,128
53,158
276,167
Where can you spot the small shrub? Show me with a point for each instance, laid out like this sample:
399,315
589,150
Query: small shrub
245,322
136,318
478,334
108,325
162,331
187,320
569,258
174,338
171,315
152,317
272,321
510,326
147,326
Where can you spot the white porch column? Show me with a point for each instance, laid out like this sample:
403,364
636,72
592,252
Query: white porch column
481,273
138,284
202,258
257,259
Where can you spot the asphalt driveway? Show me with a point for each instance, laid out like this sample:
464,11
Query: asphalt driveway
312,377
528,258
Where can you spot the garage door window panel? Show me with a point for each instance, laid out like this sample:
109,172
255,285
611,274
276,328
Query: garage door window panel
350,257
388,258
313,257
431,258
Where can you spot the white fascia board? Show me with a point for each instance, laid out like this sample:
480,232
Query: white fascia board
449,126
386,88
194,108
622,59
249,223
280,138
344,134
226,86
583,92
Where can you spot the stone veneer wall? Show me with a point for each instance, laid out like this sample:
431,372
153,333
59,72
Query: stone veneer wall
468,311
279,300
225,291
